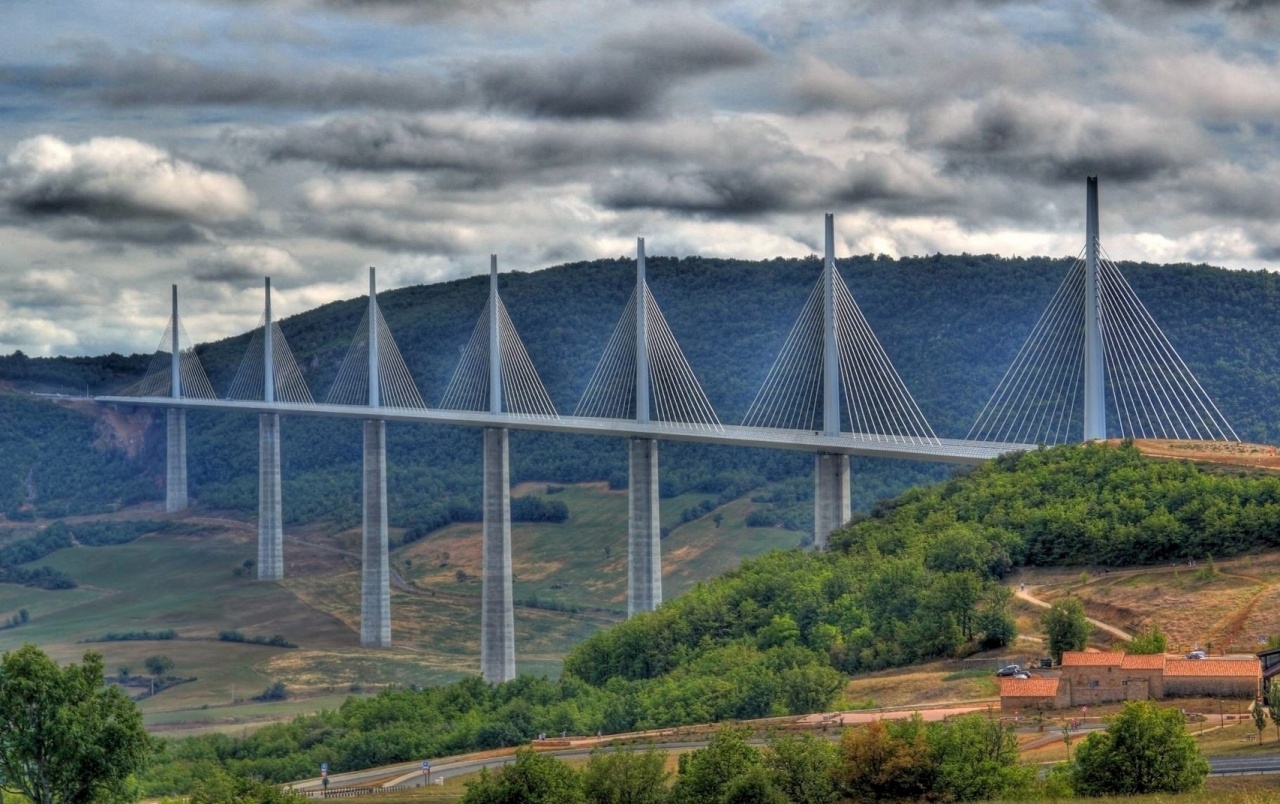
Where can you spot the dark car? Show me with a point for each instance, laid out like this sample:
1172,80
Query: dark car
1010,670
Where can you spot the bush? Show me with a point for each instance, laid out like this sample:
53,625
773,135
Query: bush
1145,749
276,692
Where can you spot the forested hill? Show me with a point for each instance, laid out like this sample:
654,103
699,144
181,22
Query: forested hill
922,577
950,324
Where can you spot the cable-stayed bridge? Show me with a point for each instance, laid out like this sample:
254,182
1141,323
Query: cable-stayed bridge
832,390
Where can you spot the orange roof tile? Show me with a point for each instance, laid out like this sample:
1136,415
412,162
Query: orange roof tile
1235,668
1028,687
1079,658
1143,661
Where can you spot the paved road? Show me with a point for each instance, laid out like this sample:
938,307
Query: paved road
409,774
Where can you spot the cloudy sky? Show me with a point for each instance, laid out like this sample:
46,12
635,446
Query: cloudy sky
210,143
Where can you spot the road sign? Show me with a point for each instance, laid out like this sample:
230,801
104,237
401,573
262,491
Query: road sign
324,770
426,764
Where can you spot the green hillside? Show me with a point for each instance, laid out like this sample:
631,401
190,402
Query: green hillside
950,324
921,578
186,574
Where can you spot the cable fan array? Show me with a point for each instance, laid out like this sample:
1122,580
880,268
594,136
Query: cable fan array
675,392
1149,387
158,381
396,388
1035,402
876,401
288,382
522,390
1154,394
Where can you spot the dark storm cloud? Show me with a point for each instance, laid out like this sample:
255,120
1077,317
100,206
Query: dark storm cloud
722,191
235,263
409,11
738,168
161,79
621,76
1052,140
894,182
1229,6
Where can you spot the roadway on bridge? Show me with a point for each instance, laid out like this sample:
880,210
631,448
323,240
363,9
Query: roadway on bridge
940,450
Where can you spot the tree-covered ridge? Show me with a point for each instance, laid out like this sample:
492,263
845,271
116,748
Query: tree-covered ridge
918,579
1092,504
951,325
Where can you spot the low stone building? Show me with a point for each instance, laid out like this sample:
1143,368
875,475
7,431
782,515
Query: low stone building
1220,678
1030,694
1096,677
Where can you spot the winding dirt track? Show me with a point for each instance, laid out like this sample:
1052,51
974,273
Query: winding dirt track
1022,594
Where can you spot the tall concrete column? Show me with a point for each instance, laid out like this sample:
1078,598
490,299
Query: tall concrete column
831,500
644,536
831,505
175,479
175,485
644,545
1095,409
497,617
270,528
375,573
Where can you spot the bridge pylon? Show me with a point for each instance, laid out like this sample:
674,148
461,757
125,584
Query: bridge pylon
1096,342
268,372
832,356
643,375
497,612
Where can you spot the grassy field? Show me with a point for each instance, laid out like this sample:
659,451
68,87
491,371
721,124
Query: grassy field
582,563
1233,605
570,581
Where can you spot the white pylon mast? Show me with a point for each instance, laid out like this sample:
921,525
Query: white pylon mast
268,358
642,336
375,396
1095,411
495,347
175,358
830,361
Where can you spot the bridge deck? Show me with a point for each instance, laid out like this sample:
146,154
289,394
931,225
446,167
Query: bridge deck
941,450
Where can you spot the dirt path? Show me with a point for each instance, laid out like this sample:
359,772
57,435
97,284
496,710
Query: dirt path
1023,594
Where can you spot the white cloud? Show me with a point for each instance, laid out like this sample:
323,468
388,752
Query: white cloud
108,178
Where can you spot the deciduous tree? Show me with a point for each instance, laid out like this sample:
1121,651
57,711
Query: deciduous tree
1145,749
533,779
625,777
65,738
1066,627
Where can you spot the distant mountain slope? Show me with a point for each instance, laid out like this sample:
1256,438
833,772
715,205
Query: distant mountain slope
951,325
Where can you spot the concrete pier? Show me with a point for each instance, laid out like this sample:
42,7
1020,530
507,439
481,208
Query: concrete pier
831,501
375,581
497,619
644,545
175,487
270,529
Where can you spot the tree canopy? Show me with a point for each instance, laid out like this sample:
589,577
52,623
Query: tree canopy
65,738
1145,749
1066,627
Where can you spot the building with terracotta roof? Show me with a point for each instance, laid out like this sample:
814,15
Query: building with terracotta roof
1229,678
1024,694
1094,677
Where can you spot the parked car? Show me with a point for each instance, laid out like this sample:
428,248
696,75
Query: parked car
1023,674
1009,670
1196,654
